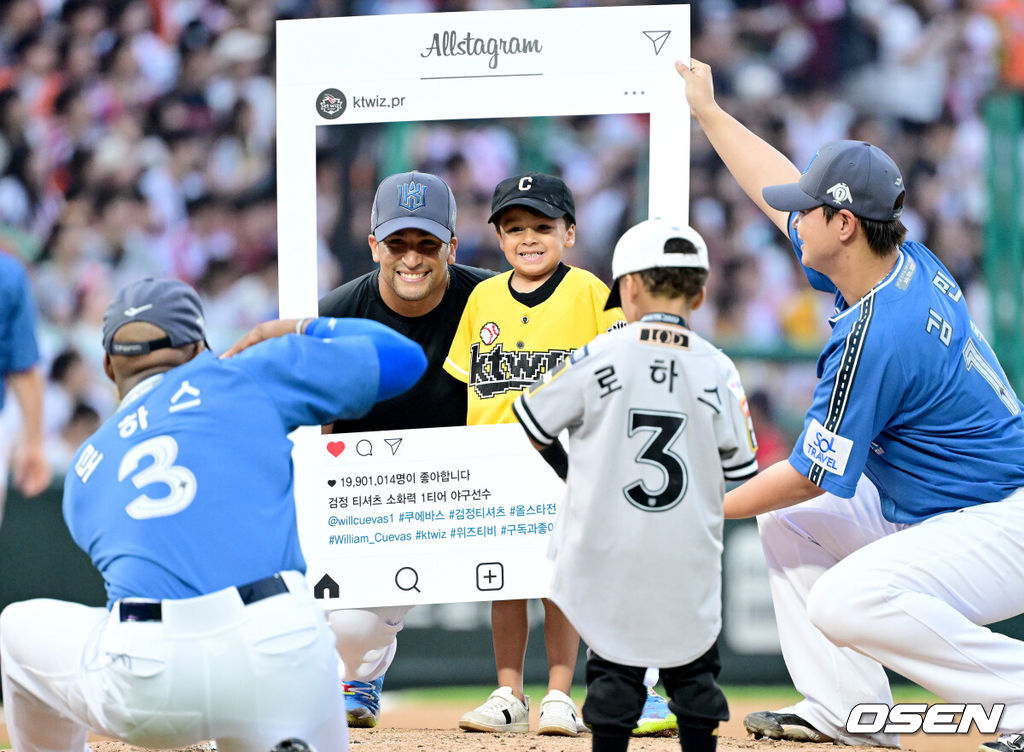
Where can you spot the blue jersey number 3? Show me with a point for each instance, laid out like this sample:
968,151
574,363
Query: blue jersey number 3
179,480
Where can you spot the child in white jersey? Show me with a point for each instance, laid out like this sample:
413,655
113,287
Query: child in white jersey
658,422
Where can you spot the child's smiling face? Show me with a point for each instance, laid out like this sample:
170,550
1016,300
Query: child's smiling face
533,243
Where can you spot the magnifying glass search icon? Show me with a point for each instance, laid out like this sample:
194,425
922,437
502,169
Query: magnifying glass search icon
407,579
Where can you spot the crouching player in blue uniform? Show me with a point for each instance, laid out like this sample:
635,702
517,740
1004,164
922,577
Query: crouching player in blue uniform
895,530
184,502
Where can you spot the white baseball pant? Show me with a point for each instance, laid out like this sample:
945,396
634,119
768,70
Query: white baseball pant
247,676
853,592
367,639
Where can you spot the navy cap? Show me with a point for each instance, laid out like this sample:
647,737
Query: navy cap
166,303
850,175
543,193
652,244
413,199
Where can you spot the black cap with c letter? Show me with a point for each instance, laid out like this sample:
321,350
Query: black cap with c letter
535,190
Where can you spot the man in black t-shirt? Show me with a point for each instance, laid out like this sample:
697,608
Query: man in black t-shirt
419,291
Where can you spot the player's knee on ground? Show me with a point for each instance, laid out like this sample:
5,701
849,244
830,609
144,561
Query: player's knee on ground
365,640
844,600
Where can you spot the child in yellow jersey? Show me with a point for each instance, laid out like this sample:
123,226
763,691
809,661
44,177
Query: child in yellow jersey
517,326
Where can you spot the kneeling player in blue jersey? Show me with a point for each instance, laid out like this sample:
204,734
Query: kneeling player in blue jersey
184,502
895,530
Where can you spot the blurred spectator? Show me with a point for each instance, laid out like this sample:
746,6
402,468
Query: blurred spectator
773,444
137,138
915,40
71,383
61,446
1009,16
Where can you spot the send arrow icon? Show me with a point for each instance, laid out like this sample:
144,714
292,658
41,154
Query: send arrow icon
658,39
394,444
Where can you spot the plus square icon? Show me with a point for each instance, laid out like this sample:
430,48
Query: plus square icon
490,576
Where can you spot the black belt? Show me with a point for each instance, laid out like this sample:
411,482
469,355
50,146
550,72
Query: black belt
249,593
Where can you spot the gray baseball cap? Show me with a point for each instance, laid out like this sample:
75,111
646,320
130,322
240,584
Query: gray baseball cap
167,303
850,175
413,199
655,243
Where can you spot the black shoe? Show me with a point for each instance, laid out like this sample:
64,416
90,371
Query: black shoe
1005,743
795,729
292,745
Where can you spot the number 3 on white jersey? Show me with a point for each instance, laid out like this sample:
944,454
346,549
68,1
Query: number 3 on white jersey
180,480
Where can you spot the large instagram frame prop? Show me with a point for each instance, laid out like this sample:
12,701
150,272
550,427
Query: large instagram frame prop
450,514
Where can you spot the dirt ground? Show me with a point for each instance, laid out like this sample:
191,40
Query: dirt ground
433,727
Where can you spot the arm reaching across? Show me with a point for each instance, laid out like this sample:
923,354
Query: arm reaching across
267,330
752,161
777,487
401,361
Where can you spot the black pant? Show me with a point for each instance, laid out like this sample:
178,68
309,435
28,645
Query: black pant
616,696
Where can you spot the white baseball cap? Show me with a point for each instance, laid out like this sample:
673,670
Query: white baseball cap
652,244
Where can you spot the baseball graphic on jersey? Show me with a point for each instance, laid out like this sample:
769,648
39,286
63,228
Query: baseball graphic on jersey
489,332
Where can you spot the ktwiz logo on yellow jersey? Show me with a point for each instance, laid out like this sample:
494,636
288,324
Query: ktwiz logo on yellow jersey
497,371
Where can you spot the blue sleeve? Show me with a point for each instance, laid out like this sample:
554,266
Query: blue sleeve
401,361
818,280
19,350
861,385
315,381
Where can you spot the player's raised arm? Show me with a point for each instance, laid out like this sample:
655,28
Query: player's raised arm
752,161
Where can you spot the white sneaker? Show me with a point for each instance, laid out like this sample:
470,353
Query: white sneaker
502,712
558,715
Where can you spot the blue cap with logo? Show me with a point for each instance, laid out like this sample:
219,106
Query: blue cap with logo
413,199
851,175
168,304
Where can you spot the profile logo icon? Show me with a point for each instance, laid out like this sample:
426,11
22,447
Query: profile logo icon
331,104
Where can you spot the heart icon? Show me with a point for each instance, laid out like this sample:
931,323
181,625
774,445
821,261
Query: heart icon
331,483
336,447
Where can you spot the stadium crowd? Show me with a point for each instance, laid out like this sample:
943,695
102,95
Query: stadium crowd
137,137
